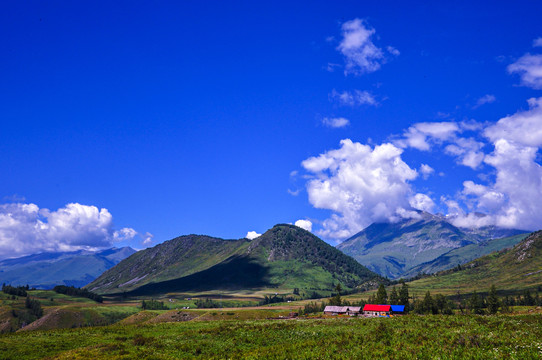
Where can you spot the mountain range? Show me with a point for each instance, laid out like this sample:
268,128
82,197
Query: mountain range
284,257
399,249
46,270
510,270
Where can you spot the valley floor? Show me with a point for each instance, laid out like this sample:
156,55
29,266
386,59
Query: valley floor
407,337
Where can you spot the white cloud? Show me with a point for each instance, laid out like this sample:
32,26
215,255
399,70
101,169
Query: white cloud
27,229
361,55
251,235
529,68
124,234
524,127
514,199
335,122
422,202
353,98
421,135
486,99
537,42
393,50
304,224
147,238
426,170
467,150
360,185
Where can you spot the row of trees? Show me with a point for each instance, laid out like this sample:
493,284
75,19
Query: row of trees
17,291
73,291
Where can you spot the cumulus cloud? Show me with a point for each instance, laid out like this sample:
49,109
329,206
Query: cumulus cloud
537,42
360,185
486,99
26,229
353,98
426,170
421,135
335,122
251,235
360,53
529,68
304,224
514,199
524,127
422,202
467,150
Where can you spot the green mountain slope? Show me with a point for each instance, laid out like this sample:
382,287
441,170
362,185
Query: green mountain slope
46,270
464,254
176,258
395,249
284,257
517,268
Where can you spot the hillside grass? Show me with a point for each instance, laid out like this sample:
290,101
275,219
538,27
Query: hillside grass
407,337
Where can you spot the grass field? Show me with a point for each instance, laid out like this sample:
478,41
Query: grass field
408,337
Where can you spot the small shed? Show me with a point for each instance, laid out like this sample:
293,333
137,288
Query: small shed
376,310
353,310
335,310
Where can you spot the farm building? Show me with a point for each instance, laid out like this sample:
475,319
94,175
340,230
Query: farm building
383,310
376,310
342,310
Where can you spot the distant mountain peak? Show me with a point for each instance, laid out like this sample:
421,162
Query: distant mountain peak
393,249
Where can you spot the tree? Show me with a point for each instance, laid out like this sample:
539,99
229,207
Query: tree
443,304
528,299
381,295
428,304
336,300
475,304
394,297
493,302
403,295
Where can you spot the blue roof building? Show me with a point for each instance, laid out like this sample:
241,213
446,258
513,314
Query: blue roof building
398,308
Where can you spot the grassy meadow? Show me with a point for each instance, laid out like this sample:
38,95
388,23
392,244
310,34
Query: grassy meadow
407,337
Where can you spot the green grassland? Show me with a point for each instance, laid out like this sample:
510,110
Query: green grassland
407,337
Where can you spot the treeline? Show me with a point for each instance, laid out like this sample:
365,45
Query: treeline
153,305
275,299
73,291
17,291
475,303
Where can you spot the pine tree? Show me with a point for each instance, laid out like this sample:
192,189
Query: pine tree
493,302
403,296
475,304
428,304
394,297
381,295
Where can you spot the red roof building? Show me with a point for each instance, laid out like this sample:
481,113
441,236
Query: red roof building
371,307
376,310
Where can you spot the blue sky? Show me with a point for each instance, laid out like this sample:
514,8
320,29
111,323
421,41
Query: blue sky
136,122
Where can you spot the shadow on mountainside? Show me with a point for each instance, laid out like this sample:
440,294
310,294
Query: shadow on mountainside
234,273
